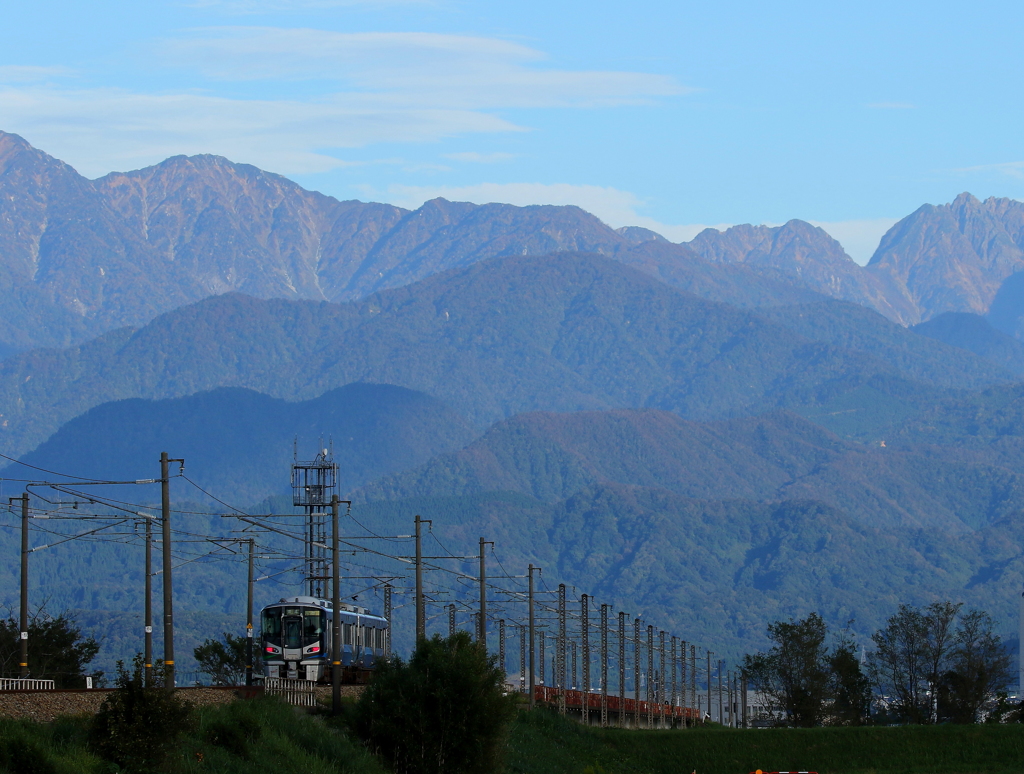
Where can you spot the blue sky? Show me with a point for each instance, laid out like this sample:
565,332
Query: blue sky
663,114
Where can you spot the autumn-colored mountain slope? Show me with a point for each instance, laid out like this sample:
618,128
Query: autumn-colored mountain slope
503,336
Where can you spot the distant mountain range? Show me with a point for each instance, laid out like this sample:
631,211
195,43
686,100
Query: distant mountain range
746,426
81,257
565,332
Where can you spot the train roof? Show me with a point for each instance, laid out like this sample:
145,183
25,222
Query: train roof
322,603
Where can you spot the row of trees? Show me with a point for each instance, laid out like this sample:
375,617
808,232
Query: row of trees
931,664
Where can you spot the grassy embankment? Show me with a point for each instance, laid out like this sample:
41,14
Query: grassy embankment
265,736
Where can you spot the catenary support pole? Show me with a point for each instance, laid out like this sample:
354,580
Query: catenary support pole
604,666
637,658
622,669
532,638
585,643
709,685
23,652
249,656
147,652
501,645
421,626
336,611
165,509
721,717
387,620
559,677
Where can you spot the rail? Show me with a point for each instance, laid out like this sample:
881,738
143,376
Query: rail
25,684
298,693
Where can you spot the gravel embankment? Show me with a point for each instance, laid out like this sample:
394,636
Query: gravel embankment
44,706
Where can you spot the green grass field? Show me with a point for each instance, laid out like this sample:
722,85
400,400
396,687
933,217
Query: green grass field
545,744
271,737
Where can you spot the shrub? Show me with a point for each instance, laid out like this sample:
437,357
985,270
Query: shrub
137,726
24,756
444,710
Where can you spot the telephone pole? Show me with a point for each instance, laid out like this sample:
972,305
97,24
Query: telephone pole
23,663
421,619
335,609
148,645
482,628
532,640
248,619
165,509
585,652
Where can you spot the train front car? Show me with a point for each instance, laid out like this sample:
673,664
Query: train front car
296,640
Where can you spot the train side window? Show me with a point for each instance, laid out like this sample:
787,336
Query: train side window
348,634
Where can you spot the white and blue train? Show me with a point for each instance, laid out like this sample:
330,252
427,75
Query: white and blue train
296,640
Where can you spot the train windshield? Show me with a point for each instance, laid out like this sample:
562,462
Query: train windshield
294,627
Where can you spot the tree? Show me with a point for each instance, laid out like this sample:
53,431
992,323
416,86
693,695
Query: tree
136,727
850,688
930,667
979,668
901,662
57,649
794,673
445,710
224,660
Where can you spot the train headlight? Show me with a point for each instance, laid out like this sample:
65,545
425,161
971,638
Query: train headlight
272,649
313,649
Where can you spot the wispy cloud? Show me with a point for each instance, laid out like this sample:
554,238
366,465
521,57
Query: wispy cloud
358,89
414,67
892,106
31,73
102,130
1010,168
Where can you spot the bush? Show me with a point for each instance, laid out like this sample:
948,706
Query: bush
25,756
137,726
444,710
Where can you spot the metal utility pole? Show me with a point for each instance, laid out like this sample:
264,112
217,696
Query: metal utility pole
637,657
559,677
622,669
721,717
522,658
248,619
387,618
604,666
421,620
661,680
335,610
693,675
23,662
501,645
585,649
482,629
672,689
650,675
148,644
709,685
165,510
532,635
451,620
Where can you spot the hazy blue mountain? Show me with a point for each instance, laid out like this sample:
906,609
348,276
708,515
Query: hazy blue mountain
556,333
975,334
239,443
776,457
